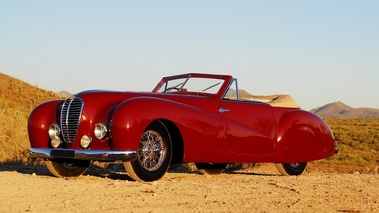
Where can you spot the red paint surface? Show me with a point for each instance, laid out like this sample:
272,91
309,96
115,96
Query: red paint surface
248,132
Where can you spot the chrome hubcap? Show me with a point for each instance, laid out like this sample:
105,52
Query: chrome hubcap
294,165
151,150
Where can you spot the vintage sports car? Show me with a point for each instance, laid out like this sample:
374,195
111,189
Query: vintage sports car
199,118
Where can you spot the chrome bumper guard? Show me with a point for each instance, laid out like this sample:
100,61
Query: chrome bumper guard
95,155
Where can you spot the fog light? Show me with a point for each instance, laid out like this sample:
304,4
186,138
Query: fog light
100,131
56,142
85,141
54,131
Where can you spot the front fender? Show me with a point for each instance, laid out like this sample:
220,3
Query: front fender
39,122
303,136
200,129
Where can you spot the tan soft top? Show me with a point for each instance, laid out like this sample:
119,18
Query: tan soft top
274,100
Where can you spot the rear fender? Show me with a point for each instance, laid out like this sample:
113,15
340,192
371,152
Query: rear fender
302,137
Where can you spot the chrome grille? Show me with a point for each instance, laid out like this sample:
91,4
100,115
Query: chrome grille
70,118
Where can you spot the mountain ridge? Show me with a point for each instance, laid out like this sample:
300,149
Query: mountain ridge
340,110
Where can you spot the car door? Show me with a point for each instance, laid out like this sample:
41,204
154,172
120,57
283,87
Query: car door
249,127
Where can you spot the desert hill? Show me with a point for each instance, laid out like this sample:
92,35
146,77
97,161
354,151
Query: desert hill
21,95
17,99
341,110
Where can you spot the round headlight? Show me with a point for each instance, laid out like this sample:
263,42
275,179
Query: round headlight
85,141
100,131
56,142
54,131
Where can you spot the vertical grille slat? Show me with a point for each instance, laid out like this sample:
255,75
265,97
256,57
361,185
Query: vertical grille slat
70,118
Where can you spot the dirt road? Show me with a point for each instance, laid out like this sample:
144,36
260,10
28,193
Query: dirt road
31,189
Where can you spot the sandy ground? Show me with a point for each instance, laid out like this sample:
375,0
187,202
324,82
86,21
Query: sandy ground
262,189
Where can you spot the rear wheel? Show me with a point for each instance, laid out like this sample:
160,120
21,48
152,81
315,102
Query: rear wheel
291,168
153,155
211,168
67,167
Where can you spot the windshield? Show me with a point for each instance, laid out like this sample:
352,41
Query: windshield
192,84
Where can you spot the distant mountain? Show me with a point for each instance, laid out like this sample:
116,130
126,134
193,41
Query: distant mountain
64,93
341,110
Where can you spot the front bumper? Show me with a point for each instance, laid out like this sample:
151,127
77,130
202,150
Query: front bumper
94,155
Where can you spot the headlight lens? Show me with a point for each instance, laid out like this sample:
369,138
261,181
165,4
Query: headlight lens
85,141
56,142
54,131
100,131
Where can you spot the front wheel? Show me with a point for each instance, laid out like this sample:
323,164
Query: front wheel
67,167
211,168
291,168
153,155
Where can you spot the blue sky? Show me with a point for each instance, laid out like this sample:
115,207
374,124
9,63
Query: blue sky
317,51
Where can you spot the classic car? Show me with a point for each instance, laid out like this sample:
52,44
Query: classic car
199,118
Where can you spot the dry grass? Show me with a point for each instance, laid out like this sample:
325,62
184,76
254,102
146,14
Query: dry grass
358,140
17,99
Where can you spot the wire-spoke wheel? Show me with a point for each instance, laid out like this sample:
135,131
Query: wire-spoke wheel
153,155
291,168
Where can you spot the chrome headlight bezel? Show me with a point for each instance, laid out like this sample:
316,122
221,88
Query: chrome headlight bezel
85,141
56,142
100,131
54,131
54,134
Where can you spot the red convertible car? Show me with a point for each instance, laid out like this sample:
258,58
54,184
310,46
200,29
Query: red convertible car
200,118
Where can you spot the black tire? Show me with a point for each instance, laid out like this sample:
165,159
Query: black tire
153,156
67,167
288,169
211,168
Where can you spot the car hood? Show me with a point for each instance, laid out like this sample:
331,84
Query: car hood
111,98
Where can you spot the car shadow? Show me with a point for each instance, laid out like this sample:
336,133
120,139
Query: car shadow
249,173
235,169
111,171
11,166
114,171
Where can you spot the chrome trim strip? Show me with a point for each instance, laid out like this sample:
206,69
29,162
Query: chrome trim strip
66,123
222,110
95,155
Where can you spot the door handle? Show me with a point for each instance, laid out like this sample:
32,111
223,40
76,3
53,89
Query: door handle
222,110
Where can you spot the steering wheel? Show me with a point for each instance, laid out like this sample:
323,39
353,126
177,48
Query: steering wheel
171,88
